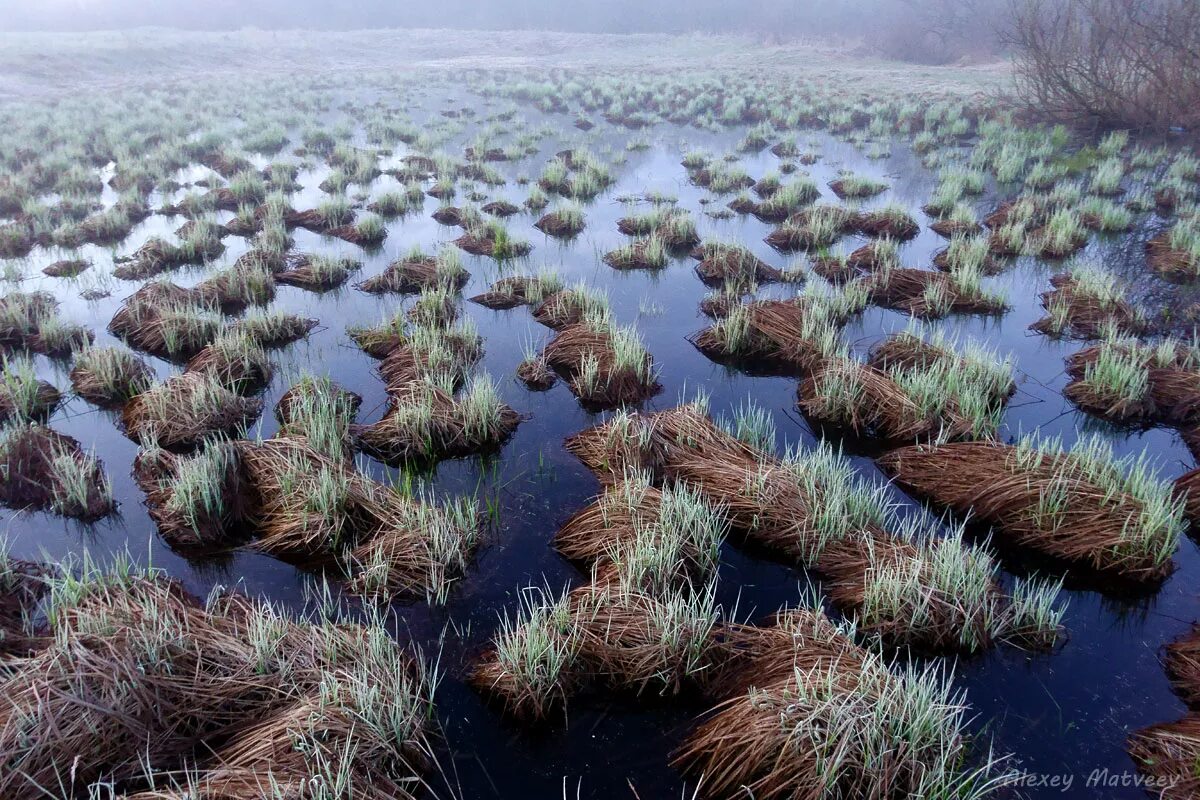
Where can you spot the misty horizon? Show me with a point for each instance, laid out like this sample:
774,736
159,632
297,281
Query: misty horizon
776,17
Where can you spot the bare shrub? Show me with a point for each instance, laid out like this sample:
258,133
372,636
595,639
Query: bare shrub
1109,63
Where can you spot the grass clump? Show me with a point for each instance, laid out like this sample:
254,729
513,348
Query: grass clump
650,252
790,335
1127,381
166,321
533,659
318,273
932,295
856,187
1176,252
1086,303
517,290
235,361
564,221
426,423
294,704
109,376
187,409
29,321
1084,506
814,228
811,709
23,396
44,469
604,365
417,271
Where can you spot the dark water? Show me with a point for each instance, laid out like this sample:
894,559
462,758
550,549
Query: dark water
1065,713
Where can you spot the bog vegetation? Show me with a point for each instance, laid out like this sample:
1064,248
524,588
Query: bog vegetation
747,400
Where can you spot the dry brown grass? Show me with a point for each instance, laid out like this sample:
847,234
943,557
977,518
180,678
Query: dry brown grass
185,410
423,423
37,464
611,383
1083,315
140,673
1182,663
1167,754
1187,486
846,393
773,336
1049,506
22,586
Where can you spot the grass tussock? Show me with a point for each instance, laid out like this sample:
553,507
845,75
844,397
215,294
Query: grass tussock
273,329
793,335
199,244
571,306
722,263
1182,663
24,397
650,252
812,714
1126,381
915,384
196,500
187,409
910,586
1175,252
30,321
492,239
1087,303
518,290
300,706
416,272
425,423
604,365
109,376
931,295
320,411
318,273
165,320
814,228
442,355
532,663
308,507
565,221
1083,506
671,226
235,361
45,470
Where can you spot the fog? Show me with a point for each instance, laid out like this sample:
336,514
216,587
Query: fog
933,22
